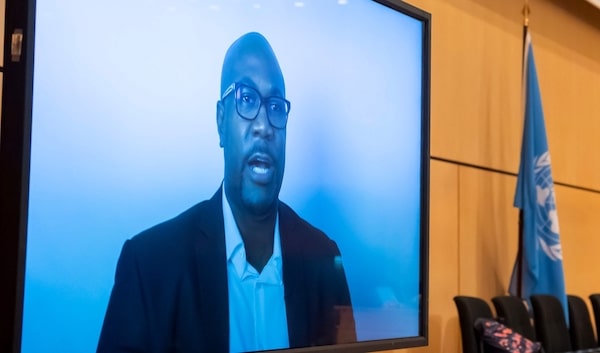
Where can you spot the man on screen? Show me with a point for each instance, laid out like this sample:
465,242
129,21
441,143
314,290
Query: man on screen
241,271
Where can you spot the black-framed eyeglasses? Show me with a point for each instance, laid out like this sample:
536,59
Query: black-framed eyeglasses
248,102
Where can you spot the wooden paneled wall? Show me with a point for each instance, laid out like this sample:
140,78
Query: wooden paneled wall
476,128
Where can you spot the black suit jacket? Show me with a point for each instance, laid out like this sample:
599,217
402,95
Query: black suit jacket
170,290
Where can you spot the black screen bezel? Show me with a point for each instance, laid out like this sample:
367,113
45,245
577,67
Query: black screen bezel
15,139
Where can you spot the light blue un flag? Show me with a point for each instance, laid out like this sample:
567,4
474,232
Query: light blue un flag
541,252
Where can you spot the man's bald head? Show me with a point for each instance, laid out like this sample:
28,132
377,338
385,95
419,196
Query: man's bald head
251,54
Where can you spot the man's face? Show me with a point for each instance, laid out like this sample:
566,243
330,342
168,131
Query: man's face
254,150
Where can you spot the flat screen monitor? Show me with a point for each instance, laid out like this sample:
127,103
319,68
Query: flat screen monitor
123,122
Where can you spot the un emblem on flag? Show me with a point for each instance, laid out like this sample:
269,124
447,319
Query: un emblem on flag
546,217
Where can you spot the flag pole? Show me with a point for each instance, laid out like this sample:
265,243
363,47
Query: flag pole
526,12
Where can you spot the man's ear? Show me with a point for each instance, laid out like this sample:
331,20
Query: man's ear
220,116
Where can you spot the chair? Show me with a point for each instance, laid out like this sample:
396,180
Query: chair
580,324
469,310
595,300
550,323
511,310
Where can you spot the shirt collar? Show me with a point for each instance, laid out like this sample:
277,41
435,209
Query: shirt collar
234,245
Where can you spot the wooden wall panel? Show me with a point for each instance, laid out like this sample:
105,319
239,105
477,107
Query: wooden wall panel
488,225
572,111
475,99
579,222
476,83
473,236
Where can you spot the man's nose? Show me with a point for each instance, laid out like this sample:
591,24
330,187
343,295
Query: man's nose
261,125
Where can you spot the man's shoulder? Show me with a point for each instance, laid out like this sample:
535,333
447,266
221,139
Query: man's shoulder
302,233
291,219
182,229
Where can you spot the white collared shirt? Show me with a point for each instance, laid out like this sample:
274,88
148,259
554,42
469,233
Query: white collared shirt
257,315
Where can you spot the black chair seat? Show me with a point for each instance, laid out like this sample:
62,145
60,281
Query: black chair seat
550,324
580,324
469,310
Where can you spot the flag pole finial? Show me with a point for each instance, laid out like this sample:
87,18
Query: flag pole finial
526,12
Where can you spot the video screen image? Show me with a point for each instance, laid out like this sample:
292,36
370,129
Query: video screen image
127,134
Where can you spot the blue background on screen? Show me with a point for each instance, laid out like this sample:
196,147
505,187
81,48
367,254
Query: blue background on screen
124,136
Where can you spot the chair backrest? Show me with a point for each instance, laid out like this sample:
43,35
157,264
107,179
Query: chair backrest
550,323
580,324
469,310
595,300
512,311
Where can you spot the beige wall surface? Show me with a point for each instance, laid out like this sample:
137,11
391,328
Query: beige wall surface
476,83
476,128
578,213
473,242
488,233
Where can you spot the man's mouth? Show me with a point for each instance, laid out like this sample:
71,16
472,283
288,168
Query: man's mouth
261,168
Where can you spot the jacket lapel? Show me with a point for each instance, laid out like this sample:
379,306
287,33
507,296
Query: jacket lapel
293,279
211,269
